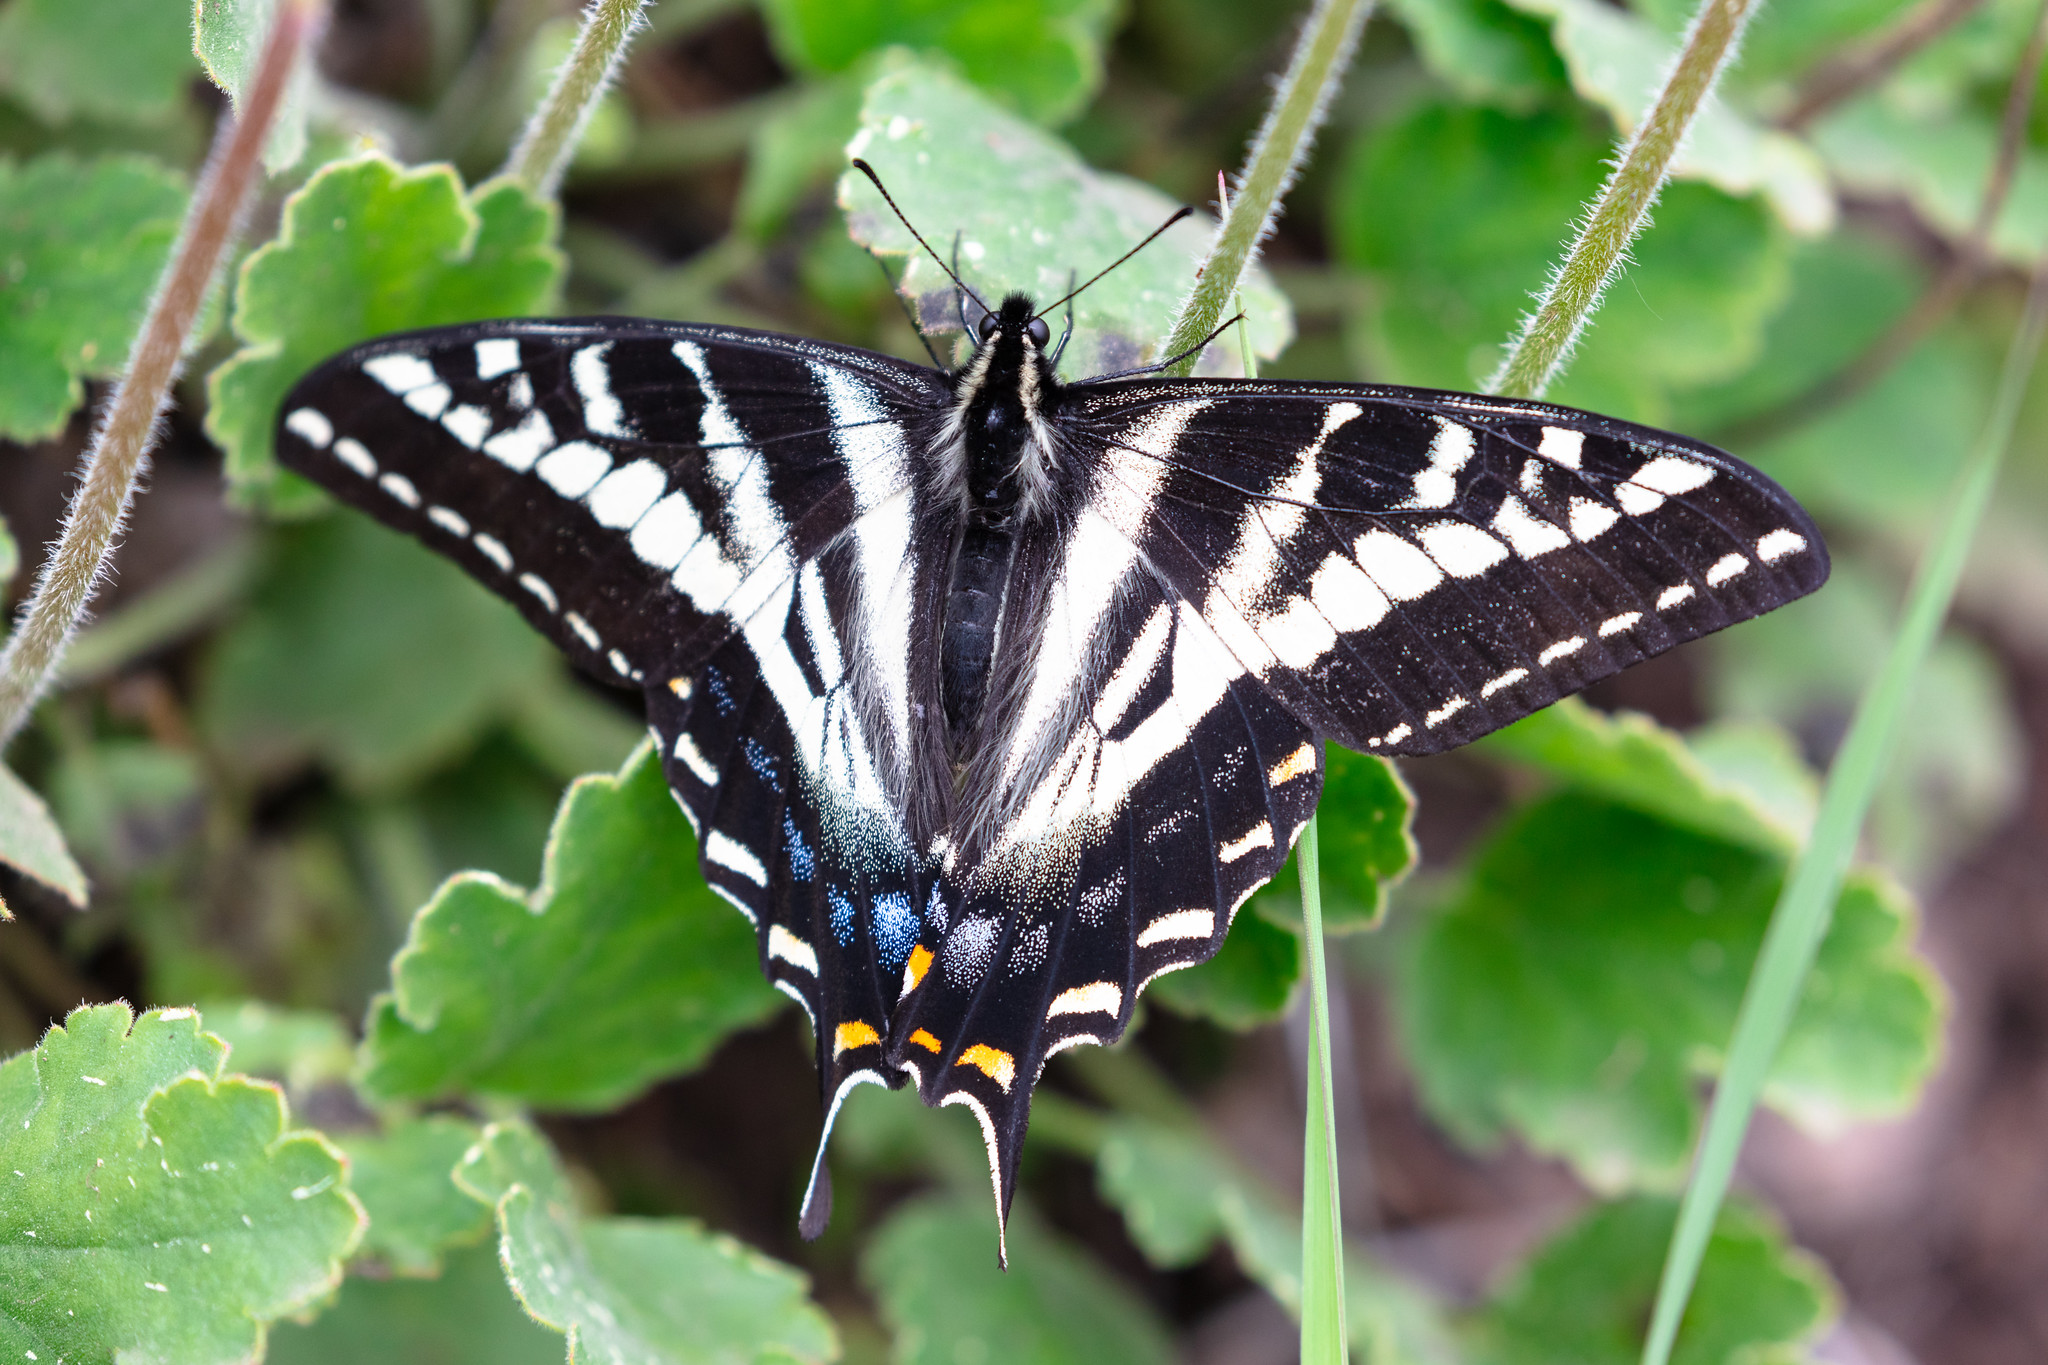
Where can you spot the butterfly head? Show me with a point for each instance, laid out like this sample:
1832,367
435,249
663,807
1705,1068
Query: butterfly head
1016,320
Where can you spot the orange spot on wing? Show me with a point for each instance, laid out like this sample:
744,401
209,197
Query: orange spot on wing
992,1062
926,1041
852,1034
680,686
1302,760
914,970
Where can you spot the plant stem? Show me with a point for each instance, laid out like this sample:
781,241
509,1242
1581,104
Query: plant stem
1317,69
548,142
1547,335
119,447
1804,908
1322,1224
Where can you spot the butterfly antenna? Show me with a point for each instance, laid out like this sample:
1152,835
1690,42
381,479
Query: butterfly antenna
1179,214
876,180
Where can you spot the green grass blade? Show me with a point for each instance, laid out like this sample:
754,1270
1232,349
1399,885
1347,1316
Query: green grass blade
1322,1227
1800,919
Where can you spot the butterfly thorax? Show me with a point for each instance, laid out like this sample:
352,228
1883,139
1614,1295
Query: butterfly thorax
1001,400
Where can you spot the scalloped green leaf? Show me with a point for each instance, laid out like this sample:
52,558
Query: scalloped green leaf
958,163
620,969
228,38
361,648
150,1208
1586,1293
932,1268
405,1178
81,246
114,59
1040,57
1618,60
369,247
31,843
1582,979
465,1316
636,1291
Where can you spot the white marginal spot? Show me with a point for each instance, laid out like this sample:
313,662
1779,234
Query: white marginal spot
693,758
1532,477
1637,500
731,854
602,411
496,356
1097,997
1561,445
1671,476
1777,544
1507,679
1725,568
1673,595
666,532
431,401
1445,712
400,372
1258,836
1529,534
1178,924
400,487
583,630
468,424
449,520
618,662
624,496
538,586
1591,519
518,447
519,393
573,469
1562,649
1461,549
1393,736
787,946
351,453
1402,571
1450,450
1615,625
494,550
311,427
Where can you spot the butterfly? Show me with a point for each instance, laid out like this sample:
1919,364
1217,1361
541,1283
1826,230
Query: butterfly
992,697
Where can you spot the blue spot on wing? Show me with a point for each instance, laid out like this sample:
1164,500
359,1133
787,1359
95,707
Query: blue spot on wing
760,760
802,862
721,694
895,927
842,916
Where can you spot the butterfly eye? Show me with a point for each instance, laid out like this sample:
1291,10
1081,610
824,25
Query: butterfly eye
986,328
1038,331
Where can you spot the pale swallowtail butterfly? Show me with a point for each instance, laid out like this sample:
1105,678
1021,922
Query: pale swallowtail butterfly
992,697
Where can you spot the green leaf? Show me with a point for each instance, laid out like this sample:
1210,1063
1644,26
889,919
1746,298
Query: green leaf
1165,1181
959,164
1585,1294
1618,60
115,59
636,1289
1249,982
1041,57
1486,199
800,145
405,1177
467,1316
361,648
1485,51
31,843
302,1048
127,804
932,1269
81,245
10,556
369,247
1580,982
151,1208
228,38
622,968
1630,759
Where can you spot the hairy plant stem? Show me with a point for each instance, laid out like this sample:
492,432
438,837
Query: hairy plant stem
1547,335
121,444
1320,57
548,142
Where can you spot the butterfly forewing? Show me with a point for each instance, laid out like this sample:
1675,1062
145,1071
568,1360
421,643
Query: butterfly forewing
759,533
